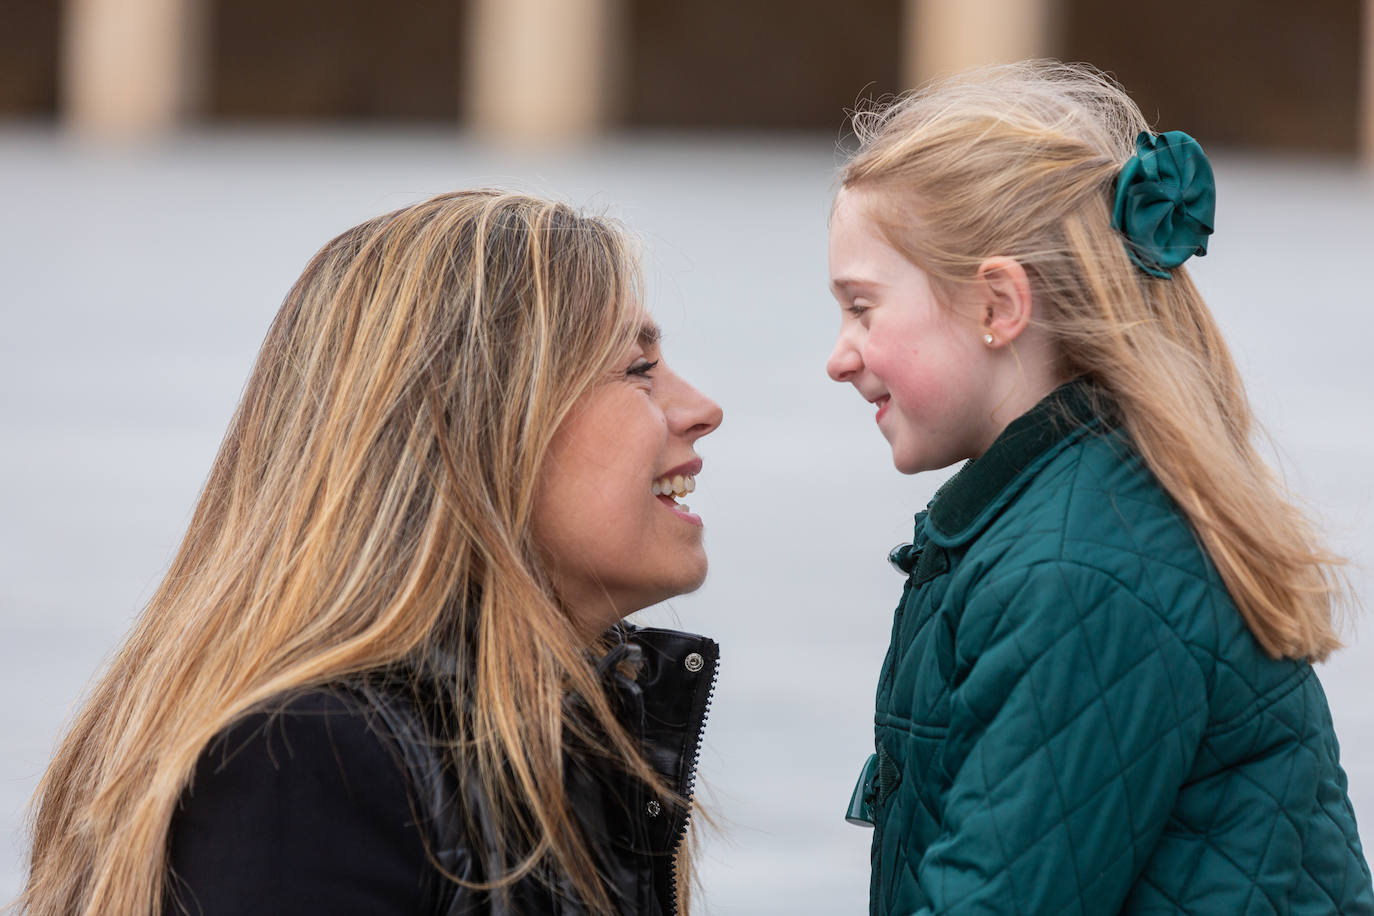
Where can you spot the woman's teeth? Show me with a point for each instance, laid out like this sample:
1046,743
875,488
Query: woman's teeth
676,487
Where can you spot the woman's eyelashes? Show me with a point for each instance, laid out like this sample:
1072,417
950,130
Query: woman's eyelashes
642,368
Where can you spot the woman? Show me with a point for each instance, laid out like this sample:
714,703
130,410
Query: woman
385,672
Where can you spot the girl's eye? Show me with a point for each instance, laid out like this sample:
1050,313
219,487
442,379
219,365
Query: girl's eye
855,309
642,369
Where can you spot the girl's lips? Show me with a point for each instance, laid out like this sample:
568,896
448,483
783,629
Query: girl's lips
882,403
690,518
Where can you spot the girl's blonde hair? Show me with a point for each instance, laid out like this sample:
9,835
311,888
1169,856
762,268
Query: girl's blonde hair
371,506
1021,161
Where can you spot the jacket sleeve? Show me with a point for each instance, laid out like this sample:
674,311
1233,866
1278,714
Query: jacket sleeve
303,811
1076,712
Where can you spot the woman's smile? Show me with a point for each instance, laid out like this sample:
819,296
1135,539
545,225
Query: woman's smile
674,485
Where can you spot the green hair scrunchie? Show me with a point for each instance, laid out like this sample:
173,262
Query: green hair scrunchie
1166,201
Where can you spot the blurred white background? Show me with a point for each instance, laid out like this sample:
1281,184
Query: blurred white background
136,285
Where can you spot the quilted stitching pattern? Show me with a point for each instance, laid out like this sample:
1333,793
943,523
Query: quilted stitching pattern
1083,724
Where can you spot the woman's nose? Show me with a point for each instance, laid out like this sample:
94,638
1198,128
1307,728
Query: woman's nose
844,361
696,414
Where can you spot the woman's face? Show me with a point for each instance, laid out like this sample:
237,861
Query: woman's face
609,516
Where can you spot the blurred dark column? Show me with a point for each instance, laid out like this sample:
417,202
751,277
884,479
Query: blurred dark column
280,59
28,57
1367,86
1269,73
131,67
759,63
542,71
945,36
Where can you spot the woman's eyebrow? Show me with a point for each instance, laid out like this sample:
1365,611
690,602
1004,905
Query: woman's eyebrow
649,334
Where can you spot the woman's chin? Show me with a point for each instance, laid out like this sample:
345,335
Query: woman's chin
695,576
685,580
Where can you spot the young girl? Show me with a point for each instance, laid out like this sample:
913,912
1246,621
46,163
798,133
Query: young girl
1098,696
386,671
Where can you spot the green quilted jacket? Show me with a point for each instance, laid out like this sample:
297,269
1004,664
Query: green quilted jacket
1072,716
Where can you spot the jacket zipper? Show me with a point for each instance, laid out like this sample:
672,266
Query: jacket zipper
876,880
689,785
888,671
888,665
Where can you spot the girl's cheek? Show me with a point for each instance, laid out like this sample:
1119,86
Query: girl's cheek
890,362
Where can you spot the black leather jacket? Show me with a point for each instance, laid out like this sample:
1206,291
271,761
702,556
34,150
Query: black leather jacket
302,808
633,836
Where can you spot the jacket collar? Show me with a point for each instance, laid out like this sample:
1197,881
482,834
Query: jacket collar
972,498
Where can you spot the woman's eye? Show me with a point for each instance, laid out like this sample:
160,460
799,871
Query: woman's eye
855,309
642,368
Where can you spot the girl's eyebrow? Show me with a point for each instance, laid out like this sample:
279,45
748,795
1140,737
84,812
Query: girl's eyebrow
848,285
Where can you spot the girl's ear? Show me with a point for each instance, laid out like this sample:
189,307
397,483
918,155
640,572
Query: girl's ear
1003,294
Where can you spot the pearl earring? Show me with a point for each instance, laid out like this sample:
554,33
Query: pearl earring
987,339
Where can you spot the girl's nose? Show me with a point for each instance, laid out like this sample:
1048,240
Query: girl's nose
844,361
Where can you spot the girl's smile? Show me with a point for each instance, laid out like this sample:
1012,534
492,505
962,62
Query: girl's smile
882,401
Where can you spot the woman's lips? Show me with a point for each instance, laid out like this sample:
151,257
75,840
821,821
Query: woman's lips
882,403
686,469
681,511
676,484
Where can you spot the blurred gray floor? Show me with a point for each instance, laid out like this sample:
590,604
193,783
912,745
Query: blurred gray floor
135,287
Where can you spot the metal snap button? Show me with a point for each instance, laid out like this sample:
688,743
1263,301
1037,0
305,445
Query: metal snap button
694,662
653,808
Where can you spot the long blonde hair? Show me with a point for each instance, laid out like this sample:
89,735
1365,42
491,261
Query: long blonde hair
371,503
1021,161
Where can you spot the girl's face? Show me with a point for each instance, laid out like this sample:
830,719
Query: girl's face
923,366
609,512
